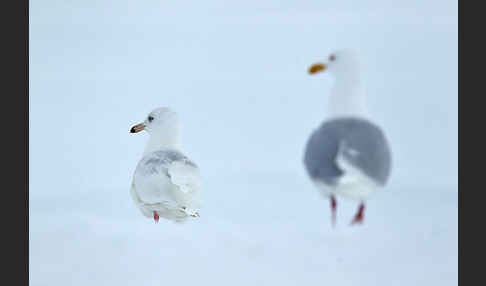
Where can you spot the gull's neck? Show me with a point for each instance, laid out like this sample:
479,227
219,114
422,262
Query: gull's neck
162,140
348,98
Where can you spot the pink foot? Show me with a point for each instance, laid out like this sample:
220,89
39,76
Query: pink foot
156,217
358,218
333,210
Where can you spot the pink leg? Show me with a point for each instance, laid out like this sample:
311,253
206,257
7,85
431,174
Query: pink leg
156,217
358,218
333,210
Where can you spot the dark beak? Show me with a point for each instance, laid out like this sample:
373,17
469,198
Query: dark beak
137,128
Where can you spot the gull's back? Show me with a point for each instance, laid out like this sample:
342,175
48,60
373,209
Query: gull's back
166,180
361,143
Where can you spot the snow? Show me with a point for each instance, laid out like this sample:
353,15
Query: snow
282,238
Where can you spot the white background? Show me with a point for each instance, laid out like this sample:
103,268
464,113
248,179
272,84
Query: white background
236,72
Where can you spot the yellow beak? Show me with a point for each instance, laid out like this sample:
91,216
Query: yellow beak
316,68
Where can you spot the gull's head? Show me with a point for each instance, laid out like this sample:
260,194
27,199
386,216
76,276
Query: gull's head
341,63
159,120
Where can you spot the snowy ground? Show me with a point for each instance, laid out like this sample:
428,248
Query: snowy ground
260,229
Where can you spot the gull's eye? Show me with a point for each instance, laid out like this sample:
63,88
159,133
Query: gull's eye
150,118
332,57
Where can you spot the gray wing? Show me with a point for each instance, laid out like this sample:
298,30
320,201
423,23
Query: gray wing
159,161
359,141
158,172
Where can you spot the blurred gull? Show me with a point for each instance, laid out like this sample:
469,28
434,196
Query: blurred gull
348,155
165,183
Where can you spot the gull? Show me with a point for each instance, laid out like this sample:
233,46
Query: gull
348,155
166,183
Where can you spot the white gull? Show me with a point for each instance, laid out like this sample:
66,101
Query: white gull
166,183
348,154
